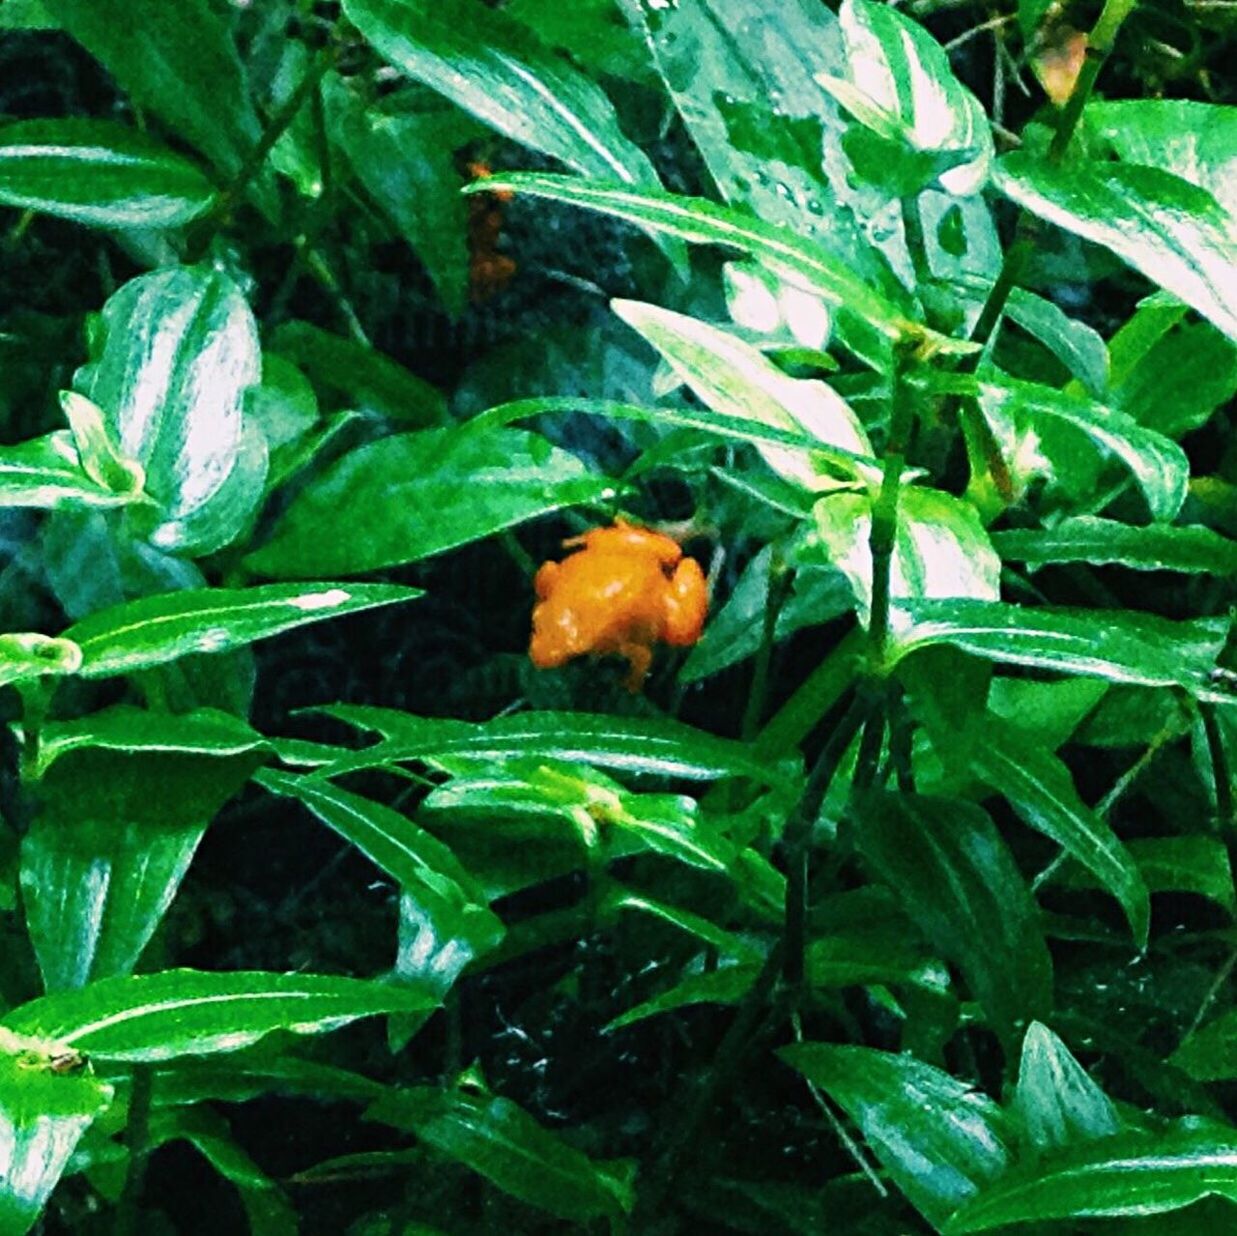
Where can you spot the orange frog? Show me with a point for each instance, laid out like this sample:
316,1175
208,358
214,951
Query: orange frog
628,589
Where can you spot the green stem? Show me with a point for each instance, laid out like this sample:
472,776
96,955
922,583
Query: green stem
884,534
798,834
1220,771
137,1136
777,589
253,164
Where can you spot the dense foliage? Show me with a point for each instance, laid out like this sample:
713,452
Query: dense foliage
901,900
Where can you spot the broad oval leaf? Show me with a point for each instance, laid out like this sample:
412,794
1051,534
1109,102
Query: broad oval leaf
499,1140
1159,547
180,351
1173,232
939,1139
413,495
737,380
157,629
1117,645
801,262
150,1017
99,173
1127,1175
957,879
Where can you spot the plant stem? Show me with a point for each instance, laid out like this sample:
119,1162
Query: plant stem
1221,772
798,833
137,1135
253,164
884,533
777,589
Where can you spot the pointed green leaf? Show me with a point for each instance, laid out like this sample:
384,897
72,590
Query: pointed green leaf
801,262
26,655
940,1140
1159,547
99,173
1127,1175
1057,1101
47,473
157,629
1173,232
500,1141
1210,1053
1040,789
950,867
413,495
151,1017
1117,645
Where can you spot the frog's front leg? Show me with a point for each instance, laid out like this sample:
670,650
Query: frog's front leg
639,657
545,579
685,605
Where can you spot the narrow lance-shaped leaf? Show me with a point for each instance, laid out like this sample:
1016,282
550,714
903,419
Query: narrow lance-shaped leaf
503,1143
1158,547
798,261
149,1017
1127,1175
47,473
99,173
940,1140
658,746
499,71
1172,231
154,630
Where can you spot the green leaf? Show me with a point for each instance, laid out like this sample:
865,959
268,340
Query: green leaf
43,1114
658,746
407,164
1171,231
1058,1103
1196,141
1040,789
497,70
151,1017
900,86
1210,1052
1157,463
184,68
798,261
950,867
444,922
26,15
361,376
99,173
98,454
1116,645
761,122
180,350
941,548
1079,347
736,380
1190,864
1131,1174
124,798
1160,547
154,630
500,1141
47,473
266,1207
413,495
940,1140
728,984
